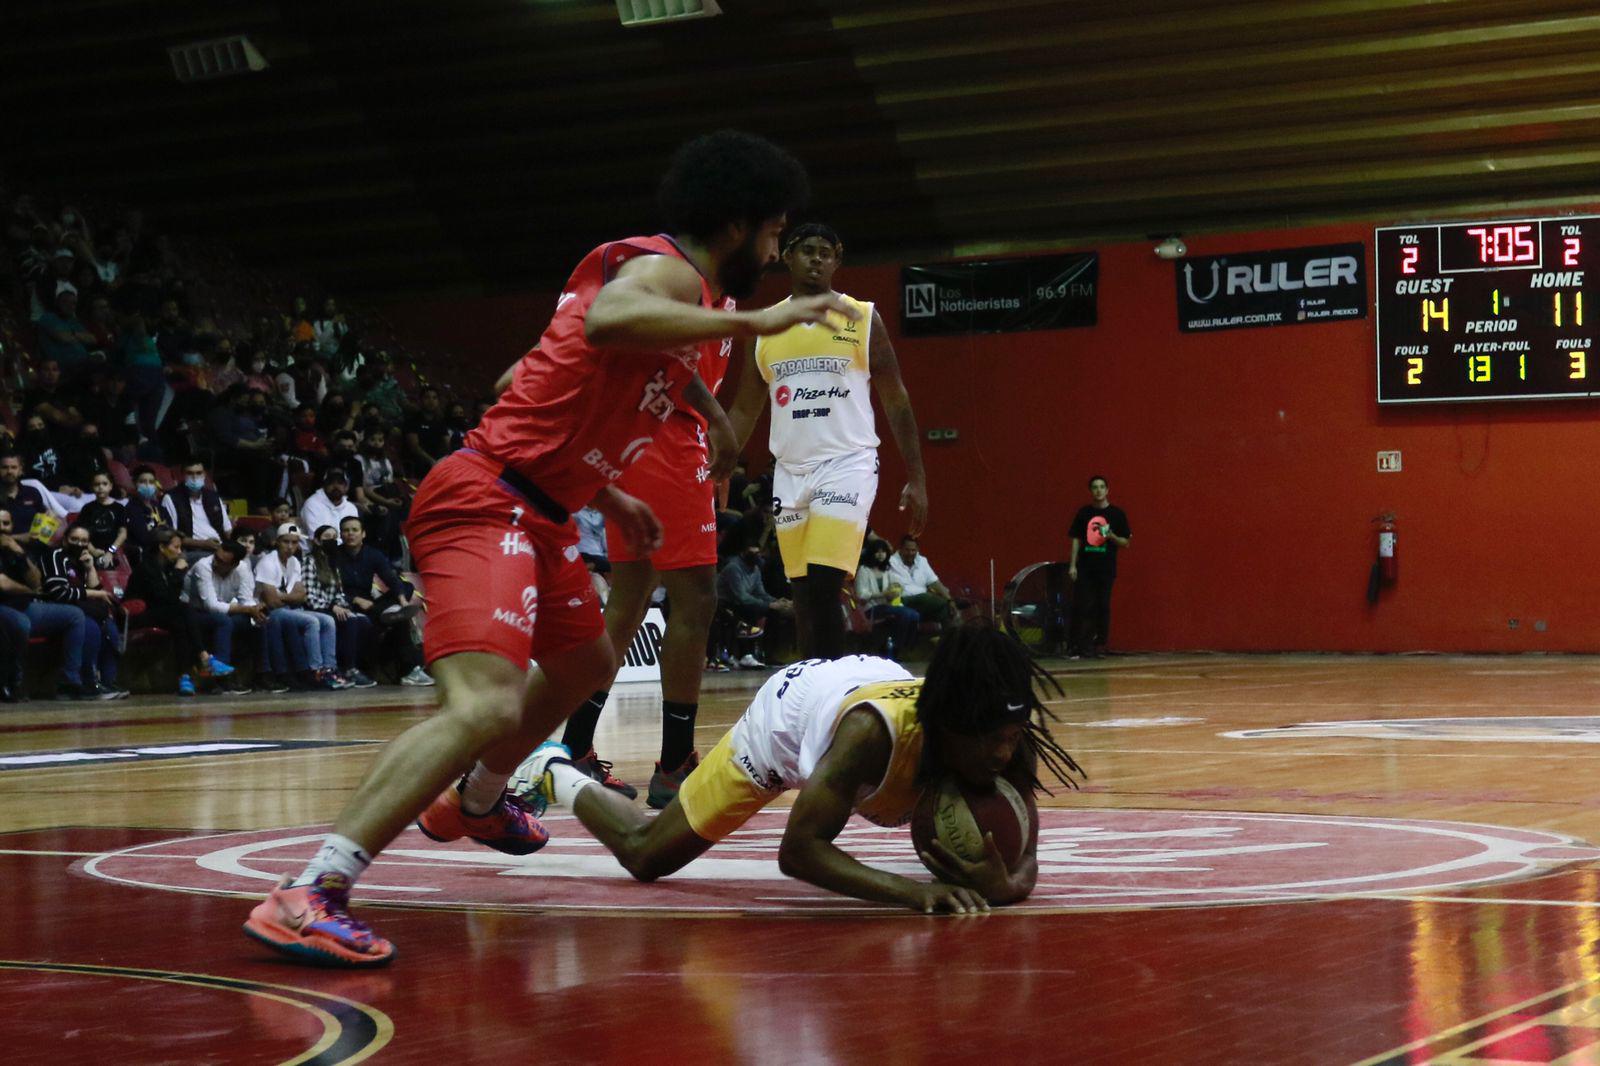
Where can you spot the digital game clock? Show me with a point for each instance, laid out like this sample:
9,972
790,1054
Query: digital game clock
1486,310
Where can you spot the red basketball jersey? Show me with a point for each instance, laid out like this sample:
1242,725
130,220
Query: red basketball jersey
576,415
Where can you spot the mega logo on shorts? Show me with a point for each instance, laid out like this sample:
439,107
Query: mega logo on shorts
522,623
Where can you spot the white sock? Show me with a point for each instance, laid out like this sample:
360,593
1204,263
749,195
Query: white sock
569,781
482,790
338,855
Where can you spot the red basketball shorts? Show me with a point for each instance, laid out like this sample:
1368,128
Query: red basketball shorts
498,576
672,478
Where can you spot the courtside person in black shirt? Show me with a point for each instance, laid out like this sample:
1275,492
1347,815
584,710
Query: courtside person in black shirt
1098,532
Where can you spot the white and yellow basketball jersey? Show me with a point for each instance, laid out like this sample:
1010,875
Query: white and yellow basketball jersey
819,378
790,725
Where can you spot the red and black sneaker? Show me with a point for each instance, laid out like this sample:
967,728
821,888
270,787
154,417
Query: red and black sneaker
591,765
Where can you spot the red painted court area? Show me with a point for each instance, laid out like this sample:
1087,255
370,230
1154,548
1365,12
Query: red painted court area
1241,882
1325,982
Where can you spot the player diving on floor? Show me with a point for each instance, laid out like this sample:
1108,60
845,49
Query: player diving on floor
857,735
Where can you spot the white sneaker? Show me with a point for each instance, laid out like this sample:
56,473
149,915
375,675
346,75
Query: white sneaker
750,662
418,677
528,781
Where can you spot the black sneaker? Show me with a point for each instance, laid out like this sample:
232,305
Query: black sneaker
664,784
104,691
358,679
68,691
272,683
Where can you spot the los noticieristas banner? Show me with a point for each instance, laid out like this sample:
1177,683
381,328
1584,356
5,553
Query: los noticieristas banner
999,295
1284,287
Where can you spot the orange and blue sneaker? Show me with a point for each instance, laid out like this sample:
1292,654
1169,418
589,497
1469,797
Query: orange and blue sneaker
312,923
512,825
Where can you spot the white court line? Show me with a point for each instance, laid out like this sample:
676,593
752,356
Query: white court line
1191,691
1401,897
1385,754
152,764
31,851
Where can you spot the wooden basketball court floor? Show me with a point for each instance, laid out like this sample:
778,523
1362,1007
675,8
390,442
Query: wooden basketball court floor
1410,884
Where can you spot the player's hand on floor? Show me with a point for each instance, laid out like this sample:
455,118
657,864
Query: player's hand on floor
638,525
779,317
940,898
988,875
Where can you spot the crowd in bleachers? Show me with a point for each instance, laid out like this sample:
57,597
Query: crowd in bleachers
188,451
192,452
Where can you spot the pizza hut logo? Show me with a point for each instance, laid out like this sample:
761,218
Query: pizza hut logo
782,396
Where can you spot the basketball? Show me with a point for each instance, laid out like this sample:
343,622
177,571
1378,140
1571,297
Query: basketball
958,816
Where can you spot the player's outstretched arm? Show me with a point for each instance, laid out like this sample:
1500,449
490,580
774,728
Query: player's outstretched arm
891,390
858,759
750,400
654,302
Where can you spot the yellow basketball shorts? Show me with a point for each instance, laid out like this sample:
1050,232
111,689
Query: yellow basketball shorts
822,511
719,796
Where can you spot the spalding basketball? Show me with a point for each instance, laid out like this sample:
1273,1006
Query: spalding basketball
958,816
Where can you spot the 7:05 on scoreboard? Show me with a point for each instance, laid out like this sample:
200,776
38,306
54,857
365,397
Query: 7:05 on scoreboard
1486,310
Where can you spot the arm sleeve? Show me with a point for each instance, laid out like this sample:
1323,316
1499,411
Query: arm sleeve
171,510
391,580
247,583
58,587
927,575
205,586
865,584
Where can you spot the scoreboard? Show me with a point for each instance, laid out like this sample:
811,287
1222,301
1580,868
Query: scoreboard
1487,310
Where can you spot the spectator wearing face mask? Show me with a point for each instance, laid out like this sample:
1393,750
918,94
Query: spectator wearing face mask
41,456
145,514
325,595
83,457
197,512
24,614
70,578
240,433
296,637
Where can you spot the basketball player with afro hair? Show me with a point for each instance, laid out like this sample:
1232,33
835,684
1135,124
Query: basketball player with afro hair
857,735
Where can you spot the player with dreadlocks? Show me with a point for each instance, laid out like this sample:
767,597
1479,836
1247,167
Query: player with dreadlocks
855,735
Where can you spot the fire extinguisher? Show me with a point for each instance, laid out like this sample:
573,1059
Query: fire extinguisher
1388,556
1386,567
